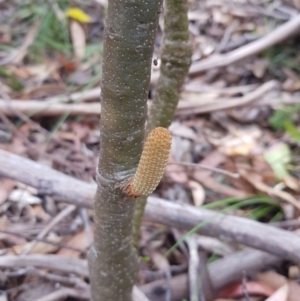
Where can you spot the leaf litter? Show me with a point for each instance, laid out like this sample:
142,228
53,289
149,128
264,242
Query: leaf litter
240,116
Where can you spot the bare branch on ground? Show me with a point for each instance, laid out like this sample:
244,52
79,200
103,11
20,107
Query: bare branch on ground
250,233
274,37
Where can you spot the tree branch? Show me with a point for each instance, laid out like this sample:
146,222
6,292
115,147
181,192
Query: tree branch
175,62
241,230
274,37
128,46
221,271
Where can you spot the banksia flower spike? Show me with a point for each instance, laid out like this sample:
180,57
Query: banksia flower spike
152,163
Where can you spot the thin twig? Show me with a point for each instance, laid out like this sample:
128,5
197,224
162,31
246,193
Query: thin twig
228,32
274,37
46,241
196,165
32,146
287,223
193,268
32,123
222,272
16,56
186,107
70,280
62,214
248,259
138,295
68,265
39,108
65,292
254,234
86,225
244,285
168,277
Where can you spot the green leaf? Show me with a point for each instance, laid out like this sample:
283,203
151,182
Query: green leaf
12,80
292,130
278,118
145,258
277,157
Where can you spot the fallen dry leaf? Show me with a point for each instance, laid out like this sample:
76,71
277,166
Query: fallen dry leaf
77,14
235,289
277,281
6,186
259,67
213,185
241,142
213,159
255,180
277,156
292,182
177,173
198,193
40,247
160,261
78,38
23,197
18,55
280,295
78,241
183,131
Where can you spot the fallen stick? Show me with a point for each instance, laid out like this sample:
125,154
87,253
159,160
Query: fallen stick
51,108
191,107
222,271
58,263
274,37
38,107
77,96
57,105
232,228
226,227
63,293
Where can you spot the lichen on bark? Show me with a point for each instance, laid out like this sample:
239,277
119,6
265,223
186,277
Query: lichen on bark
128,47
175,62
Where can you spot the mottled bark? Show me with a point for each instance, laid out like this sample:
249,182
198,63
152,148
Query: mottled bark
128,47
175,62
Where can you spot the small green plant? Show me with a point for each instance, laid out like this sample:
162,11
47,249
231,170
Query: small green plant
282,55
265,206
11,80
144,258
285,119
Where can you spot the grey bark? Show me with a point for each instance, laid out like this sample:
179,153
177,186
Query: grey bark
251,233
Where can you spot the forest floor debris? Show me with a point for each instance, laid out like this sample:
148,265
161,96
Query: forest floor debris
234,165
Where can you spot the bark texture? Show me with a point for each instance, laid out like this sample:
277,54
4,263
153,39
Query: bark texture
128,47
175,62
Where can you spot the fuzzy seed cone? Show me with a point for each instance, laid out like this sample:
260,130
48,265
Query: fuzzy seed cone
152,163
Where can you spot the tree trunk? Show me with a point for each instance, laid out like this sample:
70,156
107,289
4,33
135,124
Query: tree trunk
128,47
